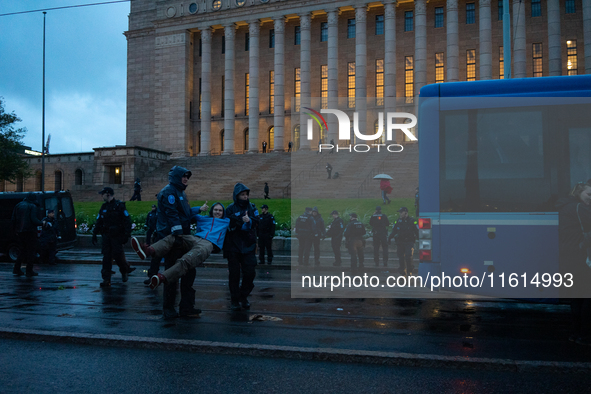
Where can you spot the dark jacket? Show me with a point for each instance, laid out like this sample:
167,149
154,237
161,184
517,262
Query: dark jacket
24,215
174,212
336,228
151,220
241,237
319,226
267,225
266,189
355,230
379,223
305,225
50,231
137,186
405,230
113,220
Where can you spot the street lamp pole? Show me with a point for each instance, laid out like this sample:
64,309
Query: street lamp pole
43,116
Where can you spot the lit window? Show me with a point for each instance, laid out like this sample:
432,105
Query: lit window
470,14
439,67
271,92
571,53
379,25
471,65
438,16
537,59
351,84
324,86
246,93
323,31
351,28
297,38
272,138
380,82
501,63
297,89
536,8
409,85
408,21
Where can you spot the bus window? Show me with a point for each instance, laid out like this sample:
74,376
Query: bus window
67,207
50,203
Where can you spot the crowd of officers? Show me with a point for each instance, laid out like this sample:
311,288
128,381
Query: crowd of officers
310,229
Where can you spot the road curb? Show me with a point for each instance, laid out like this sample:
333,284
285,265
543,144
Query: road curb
298,353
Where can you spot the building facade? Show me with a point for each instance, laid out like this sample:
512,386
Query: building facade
221,76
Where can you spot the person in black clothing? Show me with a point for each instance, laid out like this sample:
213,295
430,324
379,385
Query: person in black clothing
267,191
329,169
304,230
319,233
240,246
24,224
48,239
137,189
332,143
574,219
289,146
354,240
266,232
114,224
151,221
264,146
379,224
335,232
174,217
405,232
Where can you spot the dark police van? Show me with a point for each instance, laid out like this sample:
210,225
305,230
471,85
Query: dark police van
60,202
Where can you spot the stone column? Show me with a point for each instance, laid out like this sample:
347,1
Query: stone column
253,88
554,55
519,62
229,111
333,72
305,65
390,56
279,108
485,39
361,68
453,50
420,45
587,34
205,91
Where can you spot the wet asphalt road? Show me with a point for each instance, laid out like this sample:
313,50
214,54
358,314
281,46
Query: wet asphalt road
67,298
36,367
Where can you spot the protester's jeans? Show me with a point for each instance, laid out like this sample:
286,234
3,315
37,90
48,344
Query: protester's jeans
196,250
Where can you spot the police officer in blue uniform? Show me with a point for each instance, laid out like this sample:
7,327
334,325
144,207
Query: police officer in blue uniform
174,217
355,243
114,224
405,232
304,230
335,232
266,232
379,224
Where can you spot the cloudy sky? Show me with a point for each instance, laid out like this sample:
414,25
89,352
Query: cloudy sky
85,72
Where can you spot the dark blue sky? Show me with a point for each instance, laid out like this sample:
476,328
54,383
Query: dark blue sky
85,72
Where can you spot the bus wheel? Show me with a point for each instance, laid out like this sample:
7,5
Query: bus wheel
13,252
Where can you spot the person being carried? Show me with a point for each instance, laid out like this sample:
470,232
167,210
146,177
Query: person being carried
209,238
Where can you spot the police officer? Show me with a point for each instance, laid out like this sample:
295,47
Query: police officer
304,230
354,240
137,190
151,221
48,239
266,232
405,232
379,224
174,217
24,224
114,224
335,232
319,233
240,246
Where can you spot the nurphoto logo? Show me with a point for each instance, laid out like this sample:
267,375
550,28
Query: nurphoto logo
403,121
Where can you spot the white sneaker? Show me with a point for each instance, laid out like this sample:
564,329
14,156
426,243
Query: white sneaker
135,244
